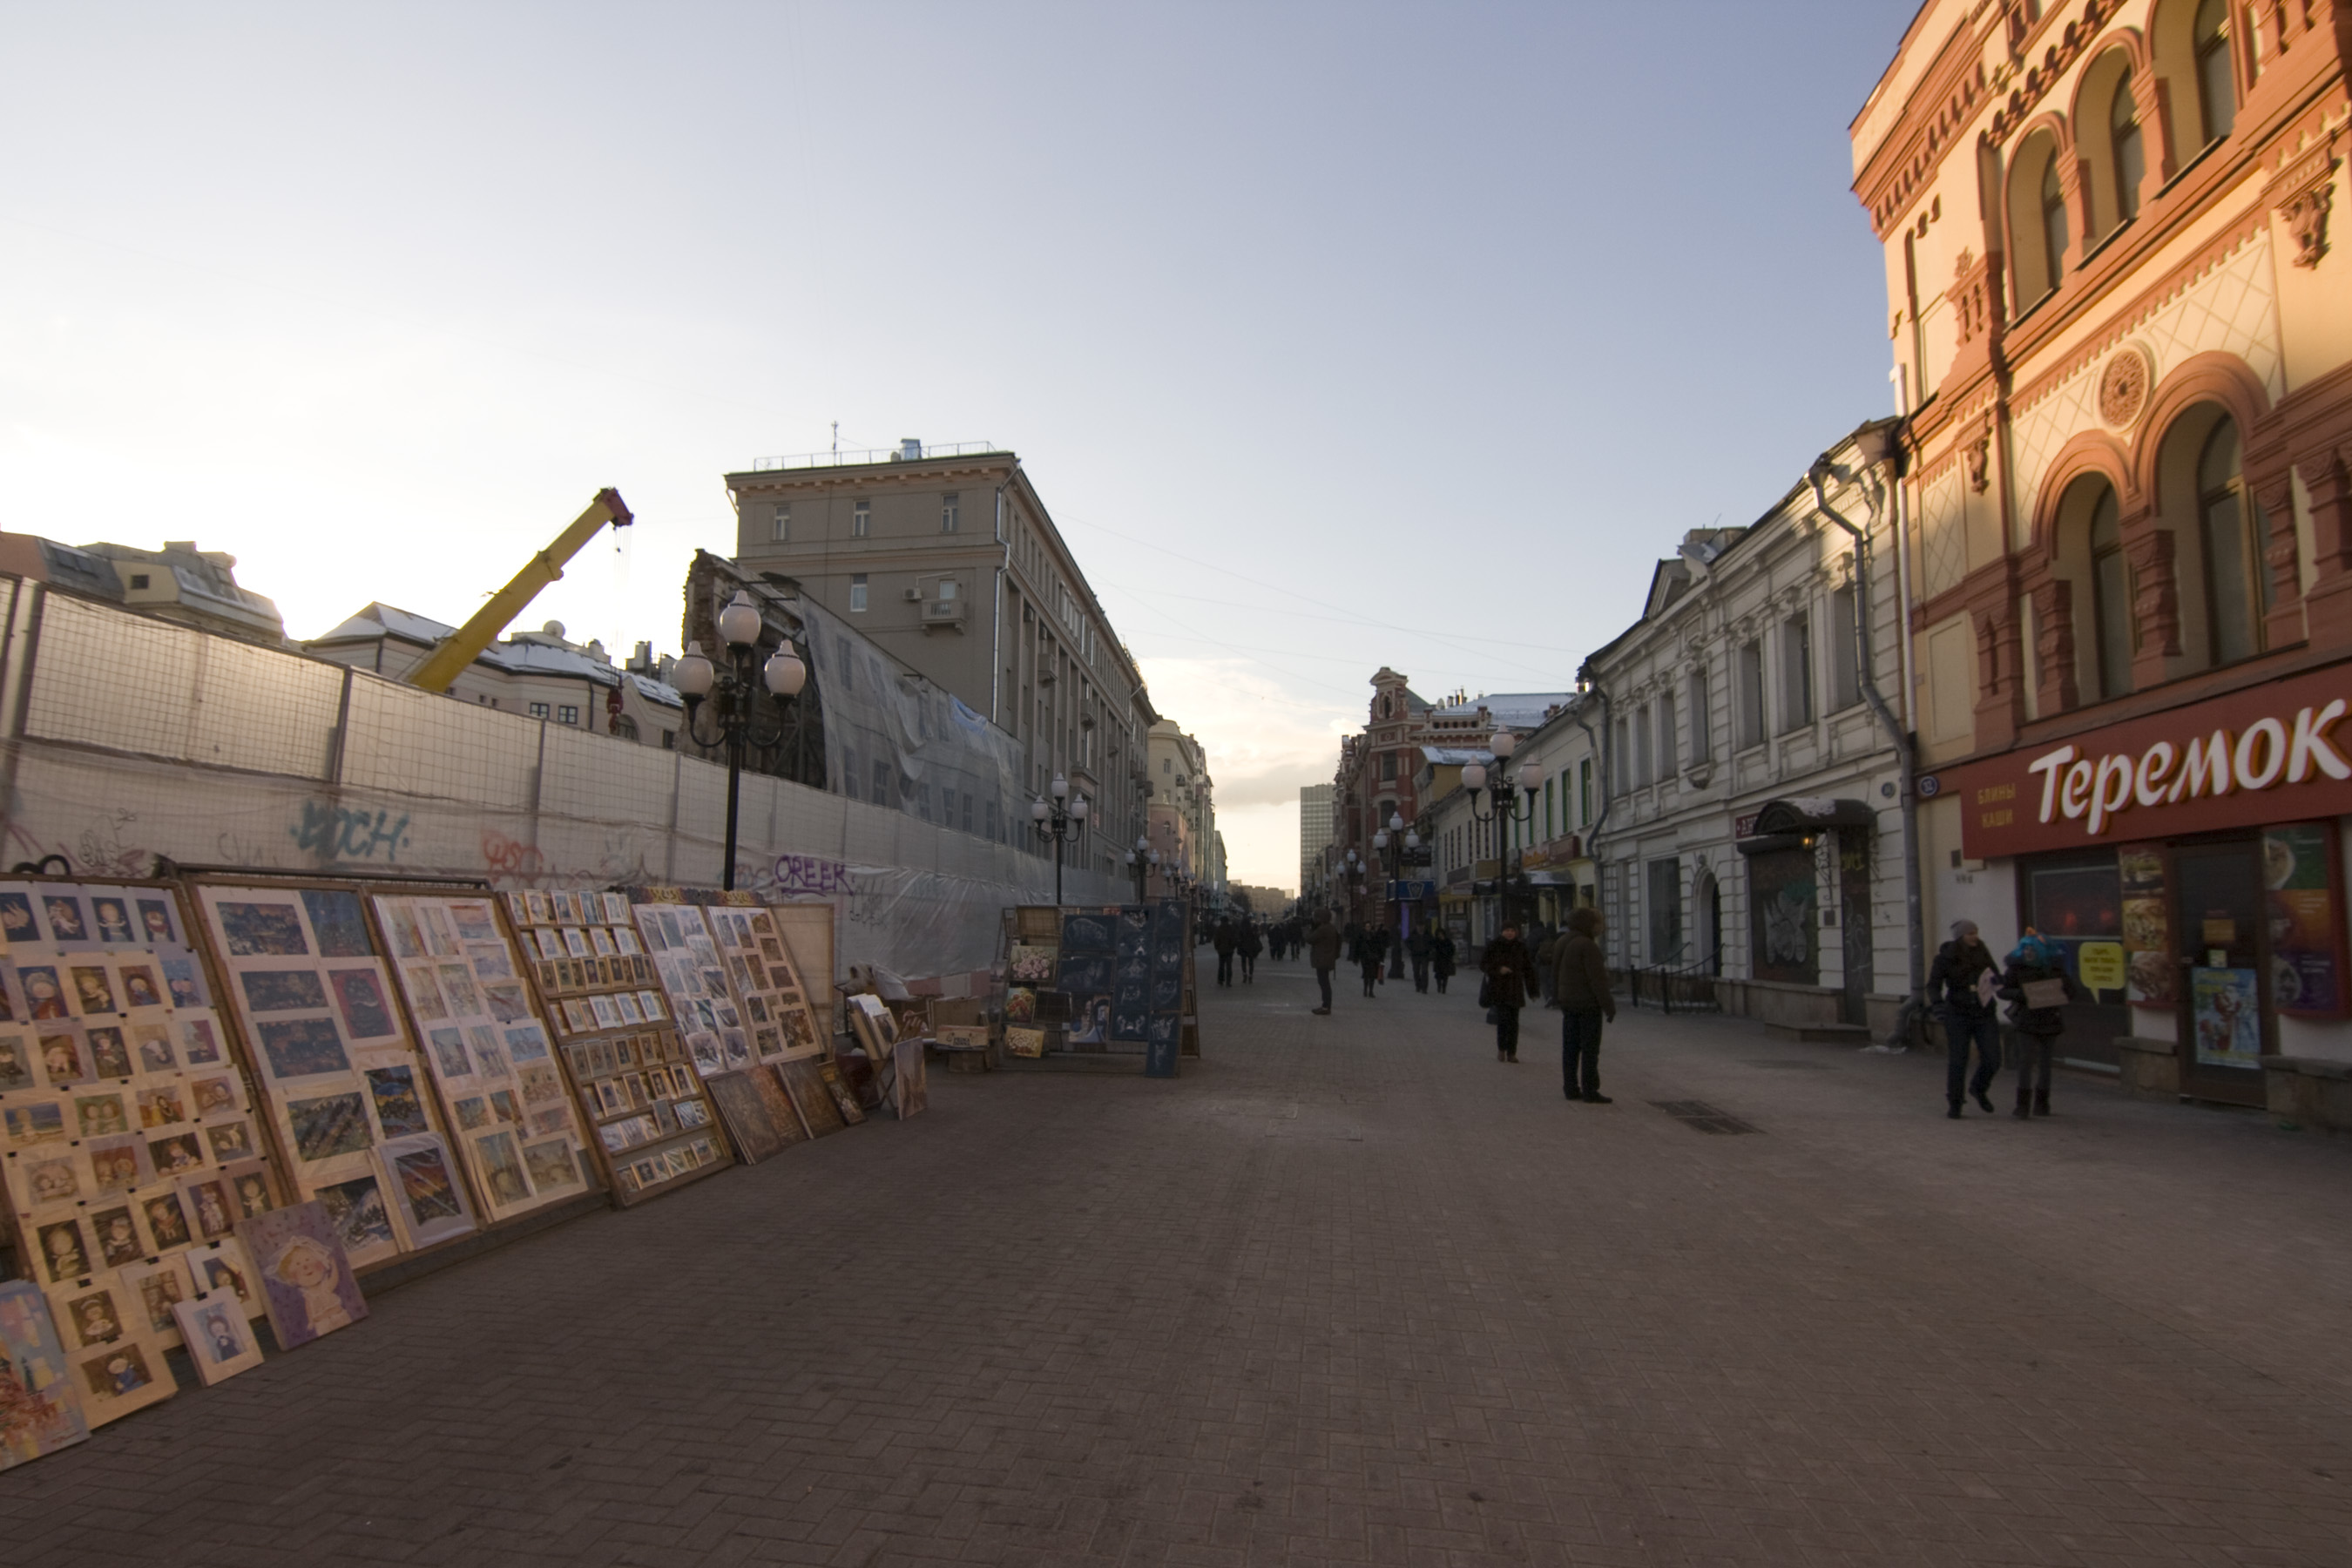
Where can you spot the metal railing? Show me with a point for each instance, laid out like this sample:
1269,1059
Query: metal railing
1688,986
845,459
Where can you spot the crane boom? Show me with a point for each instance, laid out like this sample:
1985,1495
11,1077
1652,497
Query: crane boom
453,653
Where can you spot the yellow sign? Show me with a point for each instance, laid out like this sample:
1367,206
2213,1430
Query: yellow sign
2101,965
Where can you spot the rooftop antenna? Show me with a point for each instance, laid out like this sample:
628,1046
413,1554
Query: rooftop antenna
836,436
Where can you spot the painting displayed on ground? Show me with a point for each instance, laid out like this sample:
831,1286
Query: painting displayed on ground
130,1141
40,1411
491,1052
911,1084
353,1112
220,1342
635,1074
815,1097
305,1272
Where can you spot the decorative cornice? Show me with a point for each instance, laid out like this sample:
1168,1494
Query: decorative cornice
2301,193
2034,82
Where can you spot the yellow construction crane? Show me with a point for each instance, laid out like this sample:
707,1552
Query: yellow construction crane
453,653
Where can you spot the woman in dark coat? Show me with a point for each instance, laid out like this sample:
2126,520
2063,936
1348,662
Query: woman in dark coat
1511,977
1371,952
1441,957
2035,1031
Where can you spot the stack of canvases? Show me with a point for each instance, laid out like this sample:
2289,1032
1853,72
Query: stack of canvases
136,1177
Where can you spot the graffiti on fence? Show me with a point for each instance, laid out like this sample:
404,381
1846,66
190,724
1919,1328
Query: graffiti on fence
345,833
510,857
807,874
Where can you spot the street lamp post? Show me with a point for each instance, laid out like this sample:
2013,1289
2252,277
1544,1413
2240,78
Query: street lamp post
1502,811
696,677
1058,823
1140,860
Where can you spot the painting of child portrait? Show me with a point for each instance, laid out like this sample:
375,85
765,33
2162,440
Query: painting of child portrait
307,1283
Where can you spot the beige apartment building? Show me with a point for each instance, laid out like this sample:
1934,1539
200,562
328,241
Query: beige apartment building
1183,808
2120,317
946,558
1314,834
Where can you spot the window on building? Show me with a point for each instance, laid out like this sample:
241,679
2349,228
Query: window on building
857,591
1845,673
1584,793
139,579
1551,828
967,811
625,728
946,588
949,507
1795,671
1621,772
2236,583
1666,763
2130,151
861,520
1702,732
669,740
1747,664
780,526
1388,767
568,714
539,710
2054,224
2110,597
881,782
2217,93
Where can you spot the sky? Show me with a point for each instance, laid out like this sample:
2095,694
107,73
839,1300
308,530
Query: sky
1333,336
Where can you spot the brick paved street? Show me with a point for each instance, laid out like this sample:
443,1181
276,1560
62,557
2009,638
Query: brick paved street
1349,1291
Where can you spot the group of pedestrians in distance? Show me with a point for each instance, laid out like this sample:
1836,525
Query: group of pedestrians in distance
1968,990
1237,936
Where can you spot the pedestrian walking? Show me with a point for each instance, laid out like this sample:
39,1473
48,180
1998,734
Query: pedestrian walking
1323,952
1248,948
1441,957
1581,985
1225,942
1961,988
1371,952
2035,986
1417,947
1546,950
1510,971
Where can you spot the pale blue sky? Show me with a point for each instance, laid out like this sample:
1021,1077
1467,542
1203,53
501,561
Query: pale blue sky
1335,336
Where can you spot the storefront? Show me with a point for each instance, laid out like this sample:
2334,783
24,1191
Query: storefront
2190,865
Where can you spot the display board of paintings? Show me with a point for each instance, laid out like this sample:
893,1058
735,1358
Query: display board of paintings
636,1080
491,1052
352,1107
40,1411
767,985
128,1134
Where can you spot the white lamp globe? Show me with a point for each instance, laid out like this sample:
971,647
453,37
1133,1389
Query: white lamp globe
692,674
784,672
1061,787
739,623
1503,743
1039,810
1473,777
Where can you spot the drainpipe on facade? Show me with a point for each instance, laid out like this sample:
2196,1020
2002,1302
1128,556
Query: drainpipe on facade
1915,1005
1600,745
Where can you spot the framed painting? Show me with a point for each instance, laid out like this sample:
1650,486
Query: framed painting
40,1408
745,1111
307,1284
220,1342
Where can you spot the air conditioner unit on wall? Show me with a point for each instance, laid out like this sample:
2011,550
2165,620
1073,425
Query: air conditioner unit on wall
914,595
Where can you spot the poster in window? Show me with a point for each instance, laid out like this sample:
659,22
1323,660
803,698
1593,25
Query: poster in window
2299,877
1783,898
2146,926
2227,1017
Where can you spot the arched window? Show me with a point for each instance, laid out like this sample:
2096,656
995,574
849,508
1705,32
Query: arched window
2110,598
2054,224
2217,92
2233,534
2131,156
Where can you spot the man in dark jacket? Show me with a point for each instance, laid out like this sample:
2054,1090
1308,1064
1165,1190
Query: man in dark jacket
1225,942
1441,957
1371,953
1416,947
1960,989
1511,976
1323,952
1580,980
1248,944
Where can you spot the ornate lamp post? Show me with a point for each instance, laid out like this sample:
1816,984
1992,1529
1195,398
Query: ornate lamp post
735,713
1140,860
1502,810
1058,823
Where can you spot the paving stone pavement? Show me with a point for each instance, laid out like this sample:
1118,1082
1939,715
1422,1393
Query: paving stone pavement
1349,1291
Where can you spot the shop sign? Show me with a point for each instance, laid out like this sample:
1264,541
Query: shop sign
2270,754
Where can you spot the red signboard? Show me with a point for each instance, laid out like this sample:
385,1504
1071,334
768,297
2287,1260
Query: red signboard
2275,752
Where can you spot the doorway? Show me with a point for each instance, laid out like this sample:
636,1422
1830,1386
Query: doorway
2225,1005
